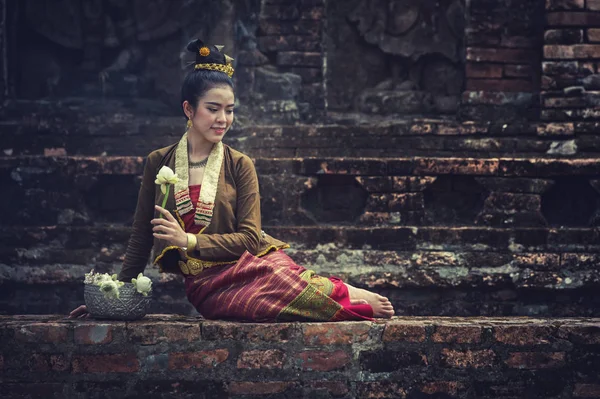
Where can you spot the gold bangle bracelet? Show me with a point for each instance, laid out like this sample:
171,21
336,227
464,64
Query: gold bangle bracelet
191,243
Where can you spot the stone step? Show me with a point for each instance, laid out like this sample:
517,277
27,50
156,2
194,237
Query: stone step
423,270
173,356
409,191
116,130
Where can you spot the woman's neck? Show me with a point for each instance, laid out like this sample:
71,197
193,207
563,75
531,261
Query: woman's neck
198,147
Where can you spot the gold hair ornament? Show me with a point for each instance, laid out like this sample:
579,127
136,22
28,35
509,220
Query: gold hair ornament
204,51
228,69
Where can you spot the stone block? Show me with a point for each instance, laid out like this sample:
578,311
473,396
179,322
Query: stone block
452,388
197,360
299,59
536,360
289,43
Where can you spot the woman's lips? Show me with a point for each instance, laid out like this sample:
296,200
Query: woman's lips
220,130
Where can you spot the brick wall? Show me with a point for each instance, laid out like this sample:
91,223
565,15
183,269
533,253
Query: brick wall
166,356
571,50
502,59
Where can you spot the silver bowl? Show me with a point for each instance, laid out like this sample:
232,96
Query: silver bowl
131,305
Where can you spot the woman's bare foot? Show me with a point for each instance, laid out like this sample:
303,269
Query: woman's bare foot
382,307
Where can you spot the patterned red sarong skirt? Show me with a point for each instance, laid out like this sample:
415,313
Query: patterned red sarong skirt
271,288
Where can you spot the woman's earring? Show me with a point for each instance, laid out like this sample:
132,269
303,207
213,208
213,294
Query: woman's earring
189,124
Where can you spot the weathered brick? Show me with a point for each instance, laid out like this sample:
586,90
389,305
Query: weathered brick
505,56
380,390
586,333
155,332
467,166
94,333
586,390
518,42
322,361
536,360
335,334
406,202
510,85
121,363
383,361
552,5
258,388
593,35
523,335
563,36
443,387
537,261
593,5
202,359
556,129
335,388
250,332
510,201
573,18
518,71
411,184
42,362
404,331
457,334
306,27
577,51
257,359
52,333
467,359
481,70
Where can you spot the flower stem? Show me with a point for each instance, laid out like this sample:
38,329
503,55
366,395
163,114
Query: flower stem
165,200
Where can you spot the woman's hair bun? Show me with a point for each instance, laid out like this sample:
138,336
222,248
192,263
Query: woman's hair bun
194,45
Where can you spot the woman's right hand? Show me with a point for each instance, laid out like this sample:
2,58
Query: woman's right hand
79,313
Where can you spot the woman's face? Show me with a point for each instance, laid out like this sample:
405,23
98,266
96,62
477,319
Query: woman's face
213,116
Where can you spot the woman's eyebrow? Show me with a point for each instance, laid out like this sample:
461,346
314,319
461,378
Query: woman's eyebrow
218,104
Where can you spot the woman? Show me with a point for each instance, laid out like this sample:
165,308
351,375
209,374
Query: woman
213,236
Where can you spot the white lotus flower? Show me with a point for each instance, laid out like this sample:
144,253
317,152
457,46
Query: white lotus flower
110,289
143,284
165,177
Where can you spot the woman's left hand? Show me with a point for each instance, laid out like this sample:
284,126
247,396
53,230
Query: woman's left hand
169,229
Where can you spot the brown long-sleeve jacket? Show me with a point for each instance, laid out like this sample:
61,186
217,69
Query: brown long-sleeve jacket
234,228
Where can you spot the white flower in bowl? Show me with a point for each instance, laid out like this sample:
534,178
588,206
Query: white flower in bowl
143,284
